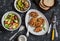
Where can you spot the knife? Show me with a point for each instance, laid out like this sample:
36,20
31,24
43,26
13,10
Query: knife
53,33
51,23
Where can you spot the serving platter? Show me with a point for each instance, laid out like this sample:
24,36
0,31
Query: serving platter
31,29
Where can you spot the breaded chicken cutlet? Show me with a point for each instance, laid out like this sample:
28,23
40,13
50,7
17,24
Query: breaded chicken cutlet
33,14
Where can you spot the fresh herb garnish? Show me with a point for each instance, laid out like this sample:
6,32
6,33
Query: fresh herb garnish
43,27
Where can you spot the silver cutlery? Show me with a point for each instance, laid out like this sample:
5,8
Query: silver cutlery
54,31
20,29
51,23
27,34
55,23
50,28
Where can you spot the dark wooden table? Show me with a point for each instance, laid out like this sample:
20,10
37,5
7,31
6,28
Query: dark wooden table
8,5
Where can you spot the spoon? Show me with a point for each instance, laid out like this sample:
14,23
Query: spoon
27,34
20,29
21,37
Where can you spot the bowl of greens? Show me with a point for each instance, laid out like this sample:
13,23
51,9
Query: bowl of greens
11,21
22,5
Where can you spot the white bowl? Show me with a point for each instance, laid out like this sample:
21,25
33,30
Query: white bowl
6,14
22,37
20,10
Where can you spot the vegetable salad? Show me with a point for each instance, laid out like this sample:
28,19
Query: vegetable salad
11,21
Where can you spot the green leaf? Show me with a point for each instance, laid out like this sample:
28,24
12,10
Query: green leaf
43,27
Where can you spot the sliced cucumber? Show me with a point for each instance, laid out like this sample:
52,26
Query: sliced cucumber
7,26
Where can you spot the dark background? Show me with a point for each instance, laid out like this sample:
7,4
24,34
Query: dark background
8,5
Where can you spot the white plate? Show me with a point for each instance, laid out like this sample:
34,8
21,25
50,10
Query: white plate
31,29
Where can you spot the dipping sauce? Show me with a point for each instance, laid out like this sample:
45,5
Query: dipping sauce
22,38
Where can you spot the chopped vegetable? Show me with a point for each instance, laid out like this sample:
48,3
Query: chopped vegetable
6,25
22,4
11,21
